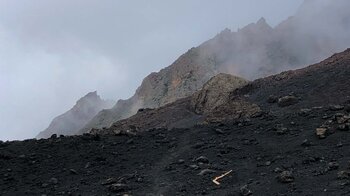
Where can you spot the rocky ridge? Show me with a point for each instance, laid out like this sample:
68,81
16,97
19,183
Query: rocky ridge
254,51
82,112
296,145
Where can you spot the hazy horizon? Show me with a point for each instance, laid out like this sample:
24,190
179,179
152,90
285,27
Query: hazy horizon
53,53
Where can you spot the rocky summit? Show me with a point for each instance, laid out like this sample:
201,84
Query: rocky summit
286,134
81,113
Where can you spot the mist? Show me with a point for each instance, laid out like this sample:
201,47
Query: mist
54,52
316,31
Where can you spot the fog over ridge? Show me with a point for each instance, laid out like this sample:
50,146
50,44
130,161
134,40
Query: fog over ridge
53,53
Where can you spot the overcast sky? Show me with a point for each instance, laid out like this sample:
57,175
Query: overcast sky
52,52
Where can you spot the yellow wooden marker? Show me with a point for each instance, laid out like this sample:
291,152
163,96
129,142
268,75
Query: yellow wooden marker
219,177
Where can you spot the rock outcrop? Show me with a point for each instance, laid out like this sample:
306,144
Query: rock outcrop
83,111
215,92
315,86
254,51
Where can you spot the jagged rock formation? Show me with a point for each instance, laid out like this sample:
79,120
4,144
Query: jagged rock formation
239,99
184,77
253,51
82,112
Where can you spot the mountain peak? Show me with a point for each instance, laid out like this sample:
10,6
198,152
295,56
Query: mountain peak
262,20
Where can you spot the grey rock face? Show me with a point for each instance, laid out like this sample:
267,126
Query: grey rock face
216,92
254,51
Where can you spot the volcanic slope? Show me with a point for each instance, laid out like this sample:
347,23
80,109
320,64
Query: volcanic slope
275,151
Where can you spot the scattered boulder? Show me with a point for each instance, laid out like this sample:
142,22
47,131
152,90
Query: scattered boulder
219,131
206,171
73,171
53,136
118,187
287,101
53,181
285,177
347,108
202,159
321,132
336,107
333,165
343,175
245,191
109,181
272,99
306,143
343,127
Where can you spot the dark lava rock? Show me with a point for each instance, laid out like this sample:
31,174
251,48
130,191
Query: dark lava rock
206,171
343,175
53,180
287,101
202,159
336,107
53,136
272,99
109,181
219,131
347,108
244,191
286,177
333,165
118,187
73,171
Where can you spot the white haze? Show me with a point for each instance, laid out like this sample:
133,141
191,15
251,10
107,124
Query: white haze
54,52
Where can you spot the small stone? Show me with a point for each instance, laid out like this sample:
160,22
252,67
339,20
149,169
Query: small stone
118,187
287,101
219,131
321,133
44,185
202,159
53,180
286,177
343,127
53,136
339,144
244,191
206,171
87,165
268,163
109,181
304,112
272,99
306,143
277,170
22,156
333,165
130,141
181,161
73,171
336,107
343,175
195,167
347,108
